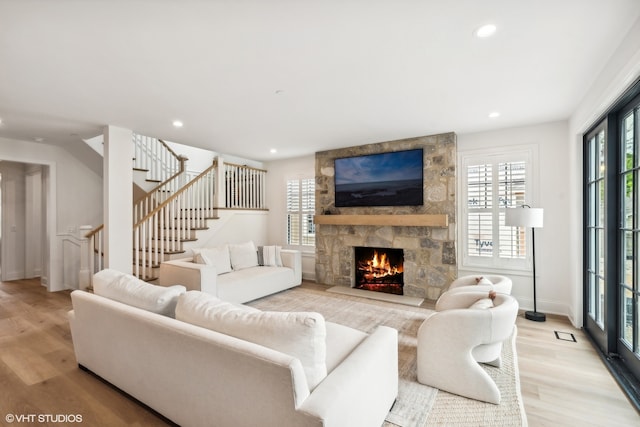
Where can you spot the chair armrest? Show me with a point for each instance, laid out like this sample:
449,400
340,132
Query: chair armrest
459,299
361,390
195,277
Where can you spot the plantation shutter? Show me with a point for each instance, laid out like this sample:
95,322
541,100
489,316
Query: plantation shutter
491,184
480,214
308,199
300,211
511,187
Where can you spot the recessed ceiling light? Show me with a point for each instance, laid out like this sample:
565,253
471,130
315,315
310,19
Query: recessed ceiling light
485,31
38,139
177,124
494,115
273,151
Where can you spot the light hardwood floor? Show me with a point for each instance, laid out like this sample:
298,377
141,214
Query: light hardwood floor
563,383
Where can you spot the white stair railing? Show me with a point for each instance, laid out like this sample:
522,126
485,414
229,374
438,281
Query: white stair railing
245,187
154,156
159,194
175,220
171,213
94,259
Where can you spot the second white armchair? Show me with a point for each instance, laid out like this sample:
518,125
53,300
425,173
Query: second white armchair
456,338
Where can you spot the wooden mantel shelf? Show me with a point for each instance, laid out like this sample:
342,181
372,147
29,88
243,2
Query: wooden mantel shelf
440,220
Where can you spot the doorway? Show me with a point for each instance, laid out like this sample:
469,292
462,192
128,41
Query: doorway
22,208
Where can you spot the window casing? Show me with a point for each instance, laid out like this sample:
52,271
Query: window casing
300,210
489,184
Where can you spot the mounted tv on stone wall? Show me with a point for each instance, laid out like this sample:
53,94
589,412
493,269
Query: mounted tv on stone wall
384,179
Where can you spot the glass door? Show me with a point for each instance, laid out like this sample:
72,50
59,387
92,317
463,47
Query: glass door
596,234
628,317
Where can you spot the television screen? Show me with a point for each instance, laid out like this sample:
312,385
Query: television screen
384,179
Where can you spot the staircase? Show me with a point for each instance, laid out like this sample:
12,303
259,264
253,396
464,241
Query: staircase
175,210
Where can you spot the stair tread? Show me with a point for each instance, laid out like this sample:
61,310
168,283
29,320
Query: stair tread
190,228
168,252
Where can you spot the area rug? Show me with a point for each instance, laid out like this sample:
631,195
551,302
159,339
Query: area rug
381,296
417,405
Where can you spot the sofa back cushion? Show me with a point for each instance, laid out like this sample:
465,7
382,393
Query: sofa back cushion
298,334
132,291
218,257
243,255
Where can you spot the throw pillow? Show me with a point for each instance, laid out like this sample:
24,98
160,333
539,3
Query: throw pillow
218,257
298,334
271,256
243,255
483,281
132,291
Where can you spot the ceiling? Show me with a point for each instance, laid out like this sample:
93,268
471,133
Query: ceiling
298,76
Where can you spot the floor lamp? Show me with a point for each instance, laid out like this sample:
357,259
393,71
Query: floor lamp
533,218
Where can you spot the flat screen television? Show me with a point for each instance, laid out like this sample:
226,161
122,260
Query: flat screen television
386,179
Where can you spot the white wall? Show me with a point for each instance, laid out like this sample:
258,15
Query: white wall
278,173
234,226
552,190
73,195
200,159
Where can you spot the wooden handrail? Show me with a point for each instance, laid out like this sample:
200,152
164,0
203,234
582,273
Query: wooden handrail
177,156
162,184
246,167
175,195
93,232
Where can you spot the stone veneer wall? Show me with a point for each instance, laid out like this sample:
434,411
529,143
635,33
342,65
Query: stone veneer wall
429,252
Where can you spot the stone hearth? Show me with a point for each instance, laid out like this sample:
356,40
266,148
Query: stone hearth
429,252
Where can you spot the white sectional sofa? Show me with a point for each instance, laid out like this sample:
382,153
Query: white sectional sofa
240,367
235,272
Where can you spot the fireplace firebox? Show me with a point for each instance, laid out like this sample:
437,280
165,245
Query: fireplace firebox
379,269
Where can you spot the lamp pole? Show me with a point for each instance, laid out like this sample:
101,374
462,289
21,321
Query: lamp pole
534,315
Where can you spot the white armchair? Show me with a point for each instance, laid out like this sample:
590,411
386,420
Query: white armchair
453,340
500,284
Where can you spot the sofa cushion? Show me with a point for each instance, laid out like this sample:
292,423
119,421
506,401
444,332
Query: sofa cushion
298,334
243,255
218,257
130,290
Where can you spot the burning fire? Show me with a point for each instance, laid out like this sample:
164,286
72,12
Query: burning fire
380,266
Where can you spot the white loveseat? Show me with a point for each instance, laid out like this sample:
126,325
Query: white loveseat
235,273
196,376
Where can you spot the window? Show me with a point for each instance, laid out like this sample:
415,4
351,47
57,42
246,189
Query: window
300,210
490,184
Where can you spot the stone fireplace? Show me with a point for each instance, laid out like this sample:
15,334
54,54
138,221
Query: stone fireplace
429,252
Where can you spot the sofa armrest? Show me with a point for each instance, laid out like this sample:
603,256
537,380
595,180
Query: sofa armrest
340,399
293,259
195,277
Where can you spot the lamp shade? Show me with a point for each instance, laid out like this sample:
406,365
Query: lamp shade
524,217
